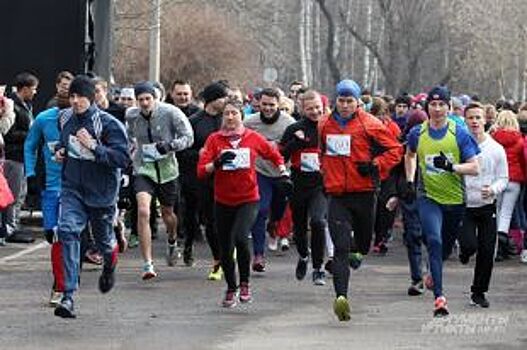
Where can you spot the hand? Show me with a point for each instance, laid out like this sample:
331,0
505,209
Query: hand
409,194
285,186
163,147
60,154
366,168
224,158
441,162
86,139
486,192
392,203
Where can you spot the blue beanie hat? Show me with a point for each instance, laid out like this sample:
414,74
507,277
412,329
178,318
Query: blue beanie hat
348,87
144,87
439,93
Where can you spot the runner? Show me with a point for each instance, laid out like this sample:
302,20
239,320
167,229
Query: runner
231,155
444,152
357,152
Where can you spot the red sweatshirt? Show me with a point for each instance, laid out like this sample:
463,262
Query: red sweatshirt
239,185
512,141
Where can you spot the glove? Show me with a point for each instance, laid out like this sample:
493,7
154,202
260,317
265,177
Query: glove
409,194
285,186
49,234
442,162
224,158
163,147
366,168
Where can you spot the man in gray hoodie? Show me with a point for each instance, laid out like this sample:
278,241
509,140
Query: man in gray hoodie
157,130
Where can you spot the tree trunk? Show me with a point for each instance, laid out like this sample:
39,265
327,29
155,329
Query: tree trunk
332,64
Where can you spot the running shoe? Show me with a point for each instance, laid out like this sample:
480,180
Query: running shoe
355,260
245,293
523,256
272,243
107,280
478,299
258,264
93,257
216,273
230,299
172,254
148,271
380,248
440,307
2,241
65,308
301,268
416,288
133,241
319,277
342,309
55,298
284,244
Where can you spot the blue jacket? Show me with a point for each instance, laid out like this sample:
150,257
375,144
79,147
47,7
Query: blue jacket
94,176
45,131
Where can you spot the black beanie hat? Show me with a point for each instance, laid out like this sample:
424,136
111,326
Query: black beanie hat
144,87
82,85
403,99
439,93
214,91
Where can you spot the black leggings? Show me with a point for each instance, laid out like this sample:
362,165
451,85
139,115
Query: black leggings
351,211
233,225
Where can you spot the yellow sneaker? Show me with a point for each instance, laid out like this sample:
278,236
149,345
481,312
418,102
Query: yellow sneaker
342,308
215,274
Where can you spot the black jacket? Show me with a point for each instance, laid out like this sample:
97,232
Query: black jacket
15,138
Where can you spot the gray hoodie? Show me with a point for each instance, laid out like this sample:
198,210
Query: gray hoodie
167,123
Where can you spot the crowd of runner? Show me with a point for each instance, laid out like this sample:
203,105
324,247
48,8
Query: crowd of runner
332,174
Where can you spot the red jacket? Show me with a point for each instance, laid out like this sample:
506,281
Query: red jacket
392,127
513,143
340,171
235,187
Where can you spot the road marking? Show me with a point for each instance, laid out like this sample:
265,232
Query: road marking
24,252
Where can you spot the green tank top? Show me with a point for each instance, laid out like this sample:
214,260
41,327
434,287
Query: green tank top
439,185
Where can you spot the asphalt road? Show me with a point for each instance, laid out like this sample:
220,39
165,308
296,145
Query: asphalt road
181,309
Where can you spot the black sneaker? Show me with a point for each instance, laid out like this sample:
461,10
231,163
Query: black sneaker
301,268
106,280
416,288
65,309
478,299
319,277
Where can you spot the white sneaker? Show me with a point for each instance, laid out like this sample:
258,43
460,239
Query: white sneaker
148,271
523,256
284,244
272,244
55,298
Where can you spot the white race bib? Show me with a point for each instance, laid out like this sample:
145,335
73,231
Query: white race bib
338,145
309,162
78,151
242,160
51,146
151,154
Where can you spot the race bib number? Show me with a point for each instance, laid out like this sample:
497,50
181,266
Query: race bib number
338,145
309,162
242,160
51,146
151,154
78,151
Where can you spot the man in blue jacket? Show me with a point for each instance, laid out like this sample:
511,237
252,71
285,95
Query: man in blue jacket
93,147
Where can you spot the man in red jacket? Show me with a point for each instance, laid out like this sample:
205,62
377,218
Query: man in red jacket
358,152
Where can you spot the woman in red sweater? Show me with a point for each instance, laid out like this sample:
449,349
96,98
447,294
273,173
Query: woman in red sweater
506,132
230,154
